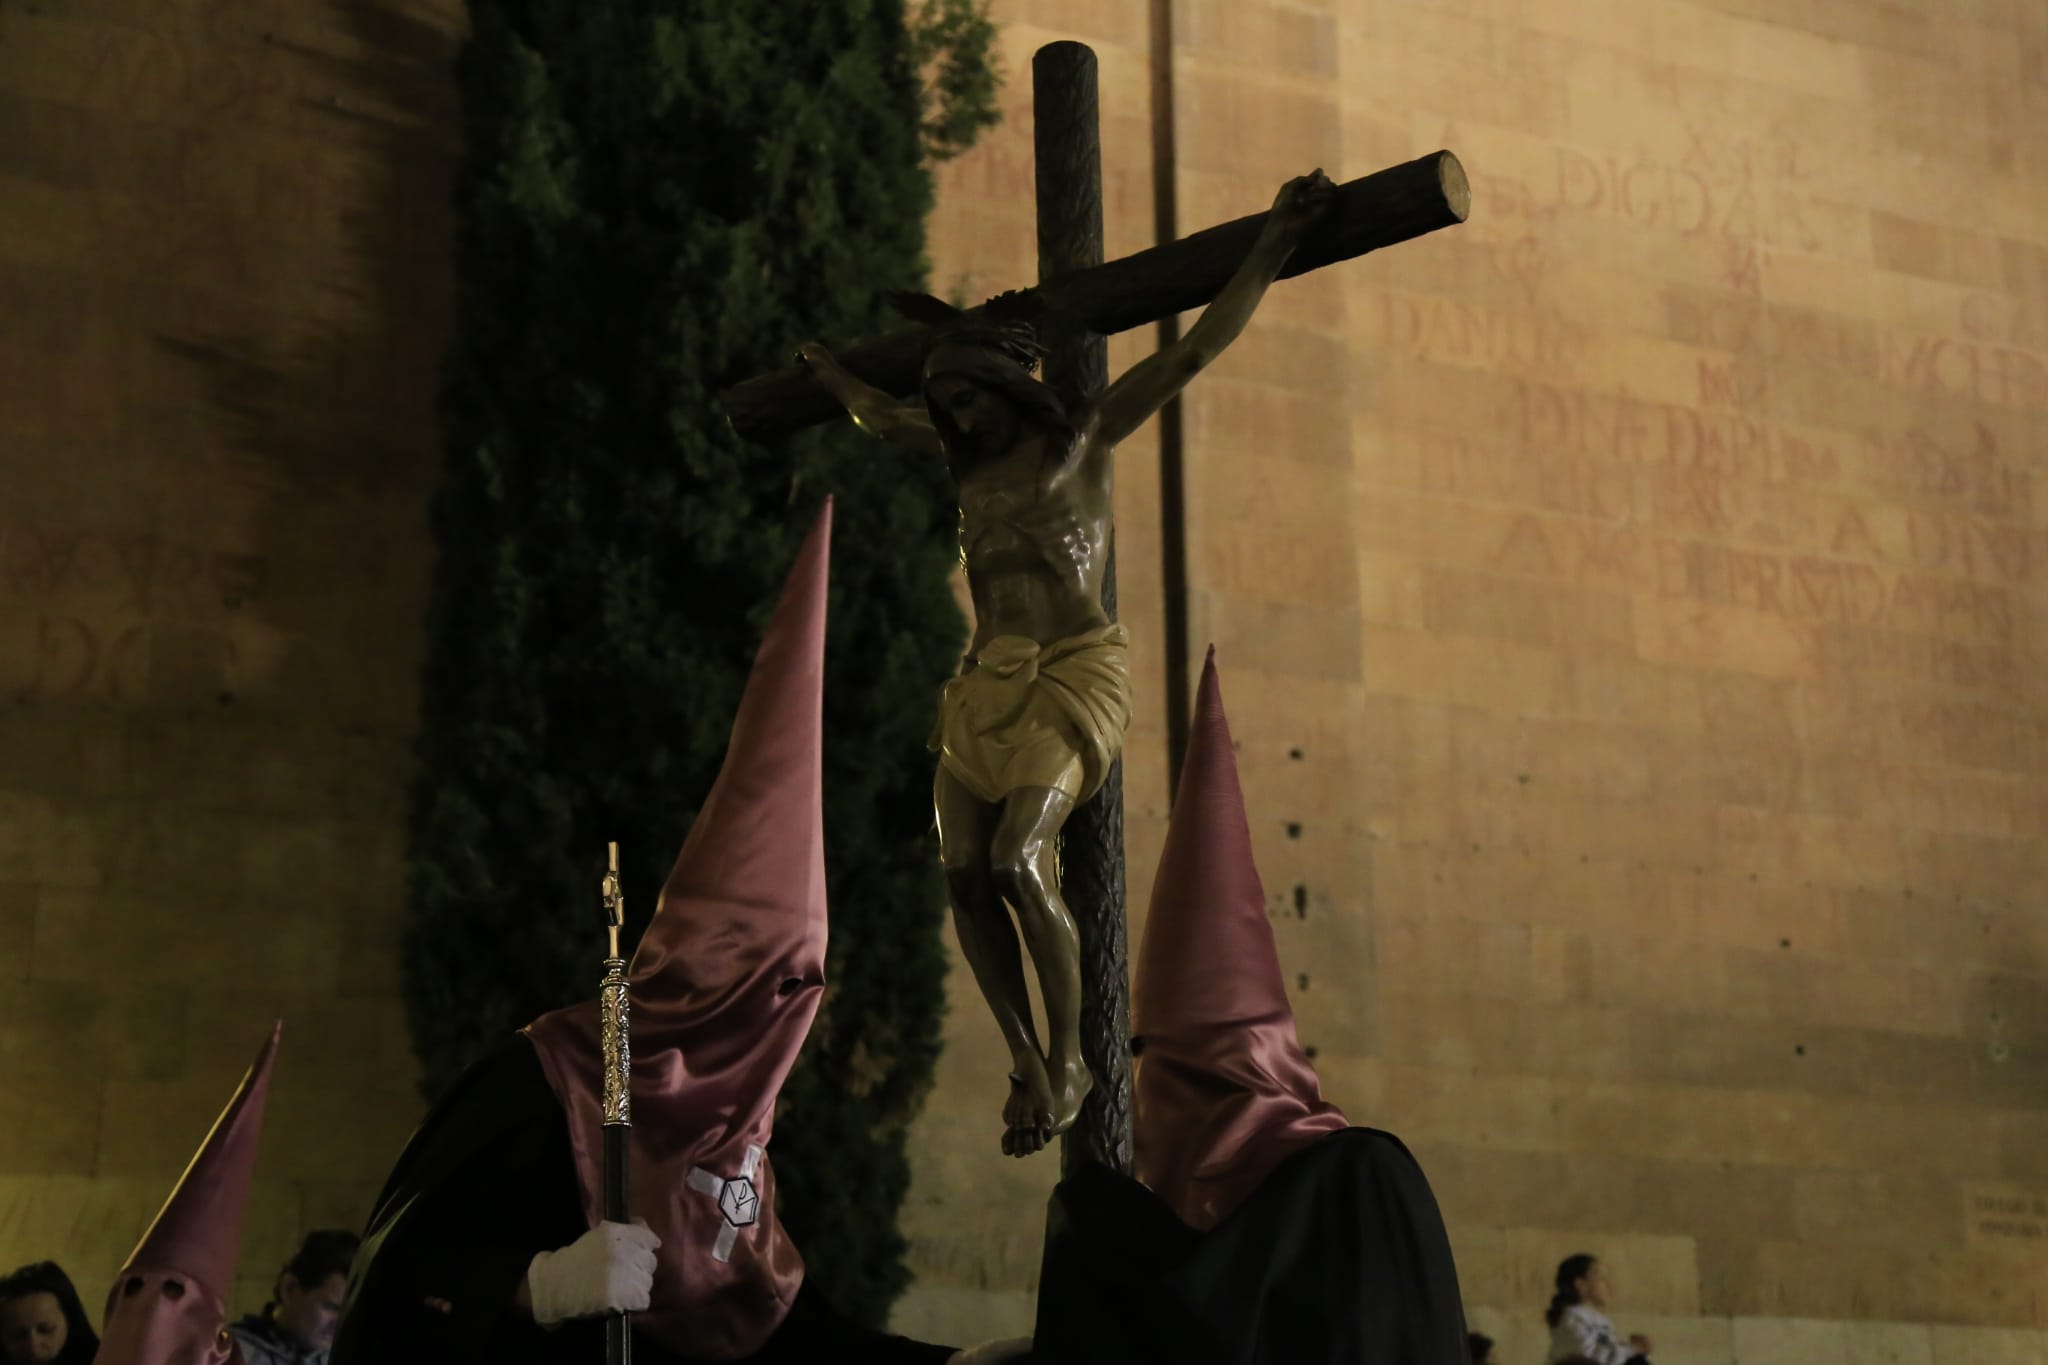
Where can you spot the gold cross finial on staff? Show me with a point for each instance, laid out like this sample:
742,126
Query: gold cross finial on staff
614,898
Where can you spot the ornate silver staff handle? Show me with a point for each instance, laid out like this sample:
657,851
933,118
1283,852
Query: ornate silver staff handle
616,1033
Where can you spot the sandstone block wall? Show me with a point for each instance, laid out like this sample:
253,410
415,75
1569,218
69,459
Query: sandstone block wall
223,270
1630,610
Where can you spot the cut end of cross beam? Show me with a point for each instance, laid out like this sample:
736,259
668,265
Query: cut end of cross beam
1457,189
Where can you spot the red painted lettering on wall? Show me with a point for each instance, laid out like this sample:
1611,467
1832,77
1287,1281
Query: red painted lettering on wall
75,658
1629,429
1641,192
1971,548
1458,332
1977,371
1968,472
144,574
1808,587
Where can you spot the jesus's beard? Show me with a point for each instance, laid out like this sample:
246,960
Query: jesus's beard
979,447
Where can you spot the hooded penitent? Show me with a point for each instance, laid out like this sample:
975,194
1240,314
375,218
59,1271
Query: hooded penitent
722,991
1224,1091
169,1306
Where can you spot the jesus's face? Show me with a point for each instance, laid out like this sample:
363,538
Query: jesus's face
983,421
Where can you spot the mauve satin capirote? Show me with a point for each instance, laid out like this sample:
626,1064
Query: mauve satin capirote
1224,1091
169,1305
723,989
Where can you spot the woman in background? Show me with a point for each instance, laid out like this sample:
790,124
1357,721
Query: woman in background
1579,1328
41,1320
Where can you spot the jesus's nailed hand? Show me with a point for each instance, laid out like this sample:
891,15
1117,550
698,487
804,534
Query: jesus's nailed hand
609,1269
1303,201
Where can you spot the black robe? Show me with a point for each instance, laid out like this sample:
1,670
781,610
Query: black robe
1339,1258
487,1182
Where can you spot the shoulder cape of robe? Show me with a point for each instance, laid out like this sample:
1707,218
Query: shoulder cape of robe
486,1182
1338,1258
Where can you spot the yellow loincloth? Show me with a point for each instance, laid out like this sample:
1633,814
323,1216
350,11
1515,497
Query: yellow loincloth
1024,714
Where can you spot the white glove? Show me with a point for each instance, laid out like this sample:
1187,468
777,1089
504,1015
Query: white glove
609,1269
993,1352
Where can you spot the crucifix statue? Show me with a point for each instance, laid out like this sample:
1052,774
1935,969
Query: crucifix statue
1032,727
1038,713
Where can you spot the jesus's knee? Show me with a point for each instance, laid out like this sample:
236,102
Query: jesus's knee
1019,878
969,886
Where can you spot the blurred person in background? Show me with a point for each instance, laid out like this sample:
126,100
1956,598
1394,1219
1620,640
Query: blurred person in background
1579,1327
42,1321
297,1326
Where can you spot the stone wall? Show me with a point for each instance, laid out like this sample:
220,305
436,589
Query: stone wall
1630,610
223,262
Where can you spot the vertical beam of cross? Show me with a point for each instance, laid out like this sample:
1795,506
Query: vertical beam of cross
1067,142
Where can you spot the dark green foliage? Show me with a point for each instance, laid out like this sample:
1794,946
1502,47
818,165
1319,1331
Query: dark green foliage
658,198
950,43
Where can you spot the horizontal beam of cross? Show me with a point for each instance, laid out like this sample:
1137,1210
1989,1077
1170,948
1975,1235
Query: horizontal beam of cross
1388,207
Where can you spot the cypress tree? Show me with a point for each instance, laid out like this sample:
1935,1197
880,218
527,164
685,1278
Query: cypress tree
656,199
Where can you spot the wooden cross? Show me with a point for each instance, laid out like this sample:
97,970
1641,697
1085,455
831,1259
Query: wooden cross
1082,303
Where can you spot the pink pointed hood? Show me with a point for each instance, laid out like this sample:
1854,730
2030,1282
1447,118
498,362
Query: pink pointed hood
1224,1091
722,992
169,1306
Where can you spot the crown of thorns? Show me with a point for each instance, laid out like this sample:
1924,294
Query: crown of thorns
1007,323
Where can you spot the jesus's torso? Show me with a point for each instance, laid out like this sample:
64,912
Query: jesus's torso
1034,536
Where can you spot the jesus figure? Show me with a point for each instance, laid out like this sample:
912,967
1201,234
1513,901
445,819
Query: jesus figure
1036,717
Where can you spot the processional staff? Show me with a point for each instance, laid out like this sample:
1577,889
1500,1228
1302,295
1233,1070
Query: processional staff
616,1034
